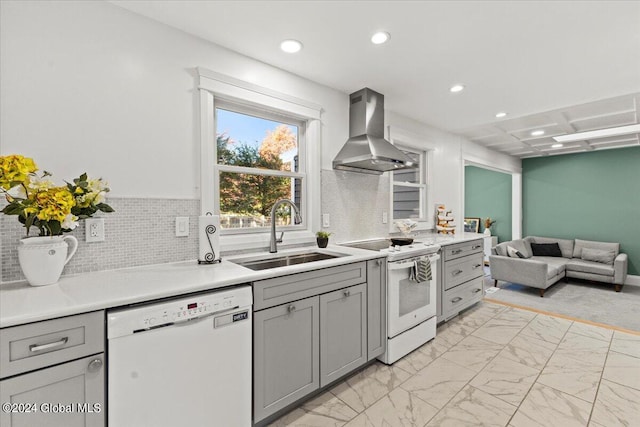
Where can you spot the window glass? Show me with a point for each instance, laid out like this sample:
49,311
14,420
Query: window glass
410,188
246,199
406,202
409,175
258,163
245,140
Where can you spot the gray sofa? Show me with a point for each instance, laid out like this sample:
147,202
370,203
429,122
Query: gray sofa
583,259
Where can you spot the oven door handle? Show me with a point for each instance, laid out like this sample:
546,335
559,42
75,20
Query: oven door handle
399,265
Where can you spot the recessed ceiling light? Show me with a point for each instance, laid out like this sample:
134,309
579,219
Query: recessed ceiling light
456,88
291,46
501,114
380,37
538,132
557,145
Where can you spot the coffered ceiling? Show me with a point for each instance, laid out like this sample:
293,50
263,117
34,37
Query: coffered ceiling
513,136
561,65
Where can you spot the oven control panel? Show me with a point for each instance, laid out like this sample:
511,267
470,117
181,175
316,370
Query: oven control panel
413,250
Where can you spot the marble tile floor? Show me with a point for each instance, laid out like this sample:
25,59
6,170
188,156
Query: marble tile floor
493,365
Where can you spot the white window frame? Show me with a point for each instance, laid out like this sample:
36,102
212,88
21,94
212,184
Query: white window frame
406,141
225,90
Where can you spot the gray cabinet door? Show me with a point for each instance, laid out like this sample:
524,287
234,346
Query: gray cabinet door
285,358
66,395
343,332
376,308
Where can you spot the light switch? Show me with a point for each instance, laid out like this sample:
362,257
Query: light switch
182,226
325,220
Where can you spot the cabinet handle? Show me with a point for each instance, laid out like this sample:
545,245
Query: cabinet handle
477,290
477,265
379,262
40,347
456,251
476,246
456,299
291,308
455,273
347,293
95,365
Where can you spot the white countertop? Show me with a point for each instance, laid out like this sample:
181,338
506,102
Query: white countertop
80,293
449,239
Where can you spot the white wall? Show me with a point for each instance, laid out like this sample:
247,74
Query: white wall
88,86
448,160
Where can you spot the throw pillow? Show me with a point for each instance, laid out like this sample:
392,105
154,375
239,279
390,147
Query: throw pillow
546,249
598,255
514,253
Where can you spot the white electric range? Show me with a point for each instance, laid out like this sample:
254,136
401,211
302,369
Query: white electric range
411,297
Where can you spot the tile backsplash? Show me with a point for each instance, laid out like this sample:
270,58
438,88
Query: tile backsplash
355,203
139,232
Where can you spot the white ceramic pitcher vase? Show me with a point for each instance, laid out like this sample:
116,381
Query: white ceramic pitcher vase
43,258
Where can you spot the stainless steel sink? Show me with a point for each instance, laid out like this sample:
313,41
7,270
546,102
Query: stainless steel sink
285,260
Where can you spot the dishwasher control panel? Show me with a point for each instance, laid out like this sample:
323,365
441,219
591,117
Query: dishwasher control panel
155,315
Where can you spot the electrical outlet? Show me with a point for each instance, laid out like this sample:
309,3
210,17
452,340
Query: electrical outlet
385,217
182,226
325,220
94,230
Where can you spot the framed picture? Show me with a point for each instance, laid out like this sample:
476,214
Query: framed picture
472,225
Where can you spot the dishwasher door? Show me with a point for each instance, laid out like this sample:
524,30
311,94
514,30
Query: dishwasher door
181,362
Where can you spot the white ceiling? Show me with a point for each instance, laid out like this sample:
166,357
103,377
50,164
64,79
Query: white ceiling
513,136
529,58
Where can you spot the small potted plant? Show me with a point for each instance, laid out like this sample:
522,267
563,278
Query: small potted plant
488,222
322,238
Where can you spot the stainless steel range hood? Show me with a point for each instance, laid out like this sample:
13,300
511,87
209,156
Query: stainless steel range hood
366,150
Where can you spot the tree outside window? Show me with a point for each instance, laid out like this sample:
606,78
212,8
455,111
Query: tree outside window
258,164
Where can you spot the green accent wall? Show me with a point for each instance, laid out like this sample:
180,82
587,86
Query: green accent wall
589,196
488,194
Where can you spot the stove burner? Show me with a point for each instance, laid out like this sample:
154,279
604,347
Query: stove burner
372,245
395,252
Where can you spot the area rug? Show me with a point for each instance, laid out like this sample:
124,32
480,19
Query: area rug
588,301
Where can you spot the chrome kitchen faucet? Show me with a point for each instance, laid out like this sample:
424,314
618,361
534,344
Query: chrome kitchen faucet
297,219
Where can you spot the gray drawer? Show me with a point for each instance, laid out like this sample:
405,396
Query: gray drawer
461,297
462,249
280,290
462,270
37,345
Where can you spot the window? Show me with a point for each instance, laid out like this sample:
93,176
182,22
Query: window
409,195
258,162
257,145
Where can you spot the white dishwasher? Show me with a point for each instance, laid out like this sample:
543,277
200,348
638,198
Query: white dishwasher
183,361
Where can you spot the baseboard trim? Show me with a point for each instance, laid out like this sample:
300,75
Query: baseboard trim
632,280
563,316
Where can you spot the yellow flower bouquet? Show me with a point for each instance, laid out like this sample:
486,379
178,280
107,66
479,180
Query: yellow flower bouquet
38,202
